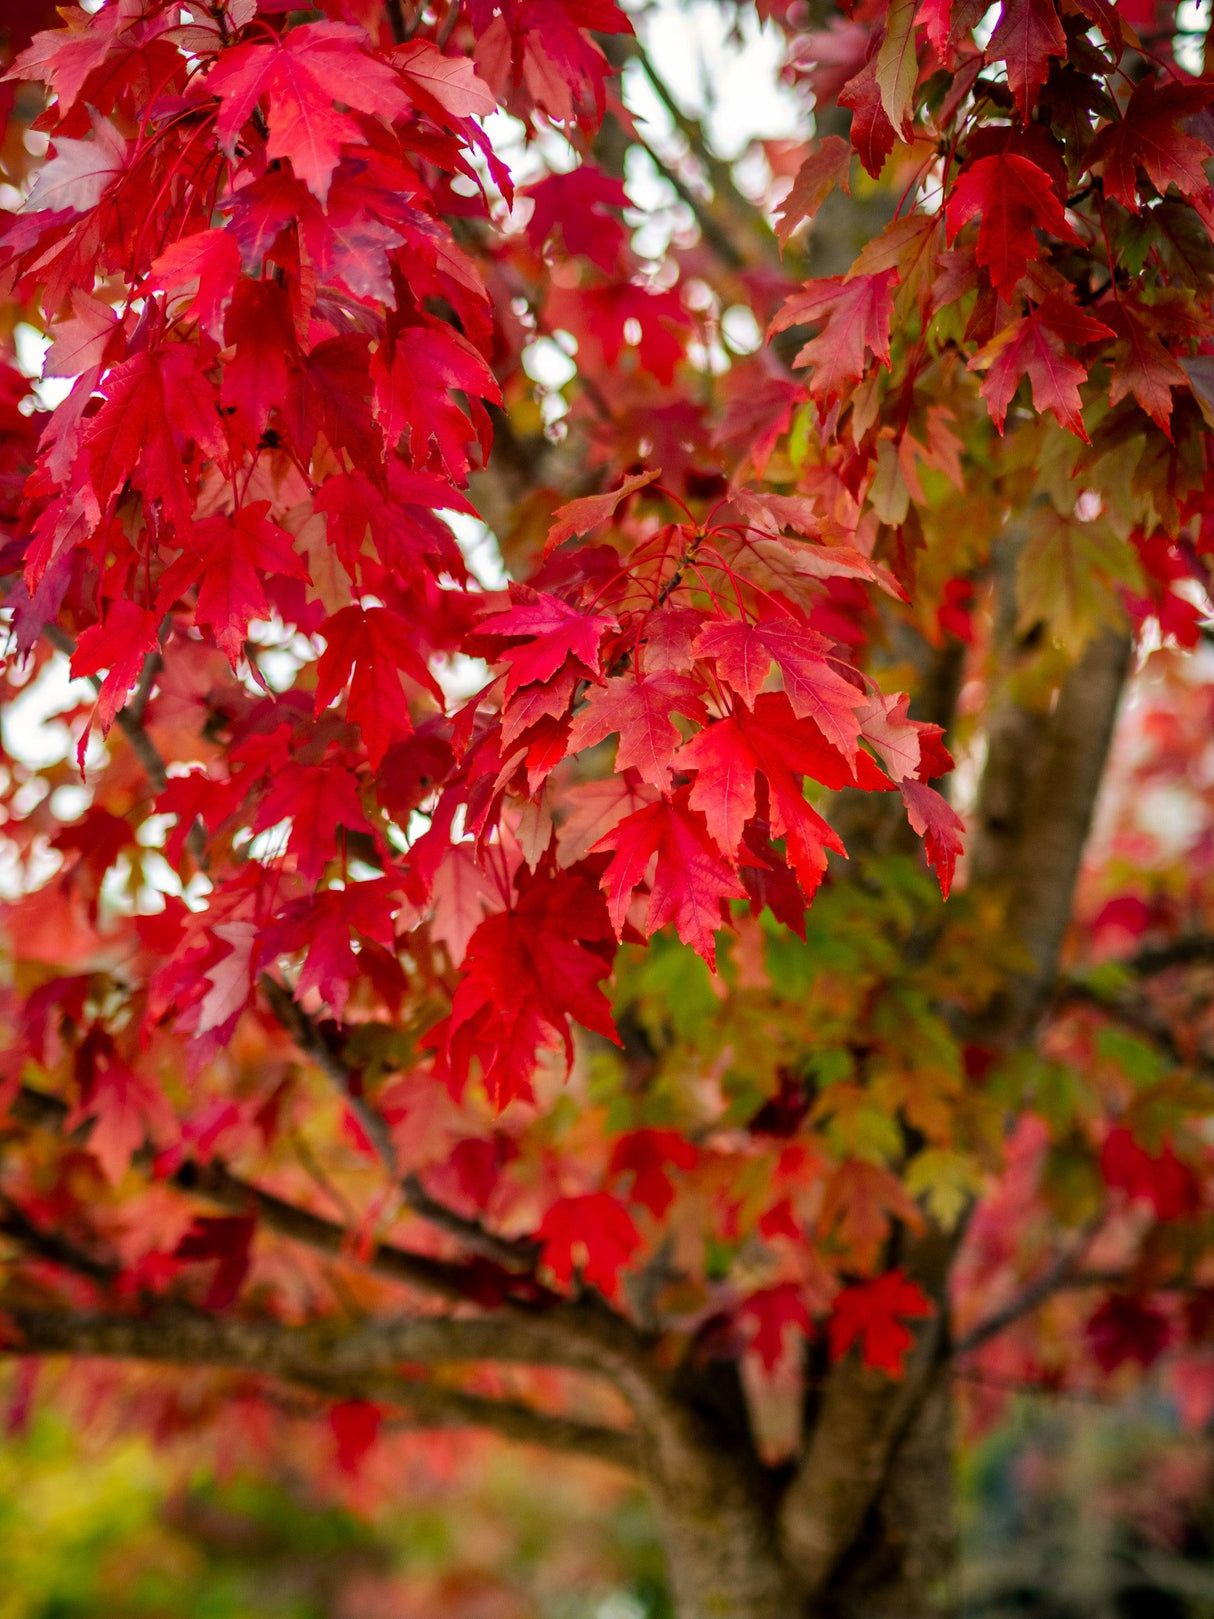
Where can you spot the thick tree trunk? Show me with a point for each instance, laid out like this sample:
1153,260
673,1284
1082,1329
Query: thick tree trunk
902,1564
721,1557
721,1525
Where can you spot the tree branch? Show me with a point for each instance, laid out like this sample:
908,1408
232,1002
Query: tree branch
360,1369
1062,1273
311,1040
540,1330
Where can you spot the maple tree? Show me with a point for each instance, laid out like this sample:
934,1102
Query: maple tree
535,1003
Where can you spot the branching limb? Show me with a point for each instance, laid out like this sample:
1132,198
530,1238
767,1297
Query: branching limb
1062,1273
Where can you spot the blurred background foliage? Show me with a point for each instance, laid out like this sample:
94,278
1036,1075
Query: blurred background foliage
1071,1510
123,1531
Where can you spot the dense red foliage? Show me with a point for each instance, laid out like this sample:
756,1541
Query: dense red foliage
341,906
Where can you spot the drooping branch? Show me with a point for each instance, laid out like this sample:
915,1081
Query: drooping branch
311,1357
543,1329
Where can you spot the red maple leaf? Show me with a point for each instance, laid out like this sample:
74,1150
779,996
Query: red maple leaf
125,1106
317,800
301,76
648,1156
827,167
1149,135
745,652
1041,346
119,646
550,631
582,206
227,1239
689,880
938,824
1160,1179
871,134
367,647
584,515
874,1314
1027,35
772,1314
1015,198
772,742
856,315
231,557
640,709
207,265
593,1233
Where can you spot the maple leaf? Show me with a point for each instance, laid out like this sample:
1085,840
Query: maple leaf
896,67
593,1233
232,556
1149,135
1026,36
258,329
1160,1179
317,800
82,341
131,437
582,206
797,568
583,516
1067,574
119,646
551,631
826,168
592,809
412,394
745,652
1015,198
938,824
874,1315
323,926
771,1314
125,1106
648,1155
227,1239
640,709
298,75
447,84
857,1206
689,880
365,647
525,973
1142,366
856,317
872,135
897,740
207,265
1040,346
79,174
770,741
